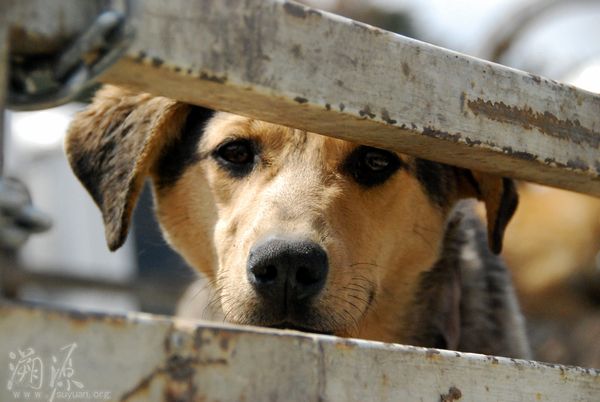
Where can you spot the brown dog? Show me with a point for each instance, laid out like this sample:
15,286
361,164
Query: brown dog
302,231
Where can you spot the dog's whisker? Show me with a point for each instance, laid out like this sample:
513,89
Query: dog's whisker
372,264
357,288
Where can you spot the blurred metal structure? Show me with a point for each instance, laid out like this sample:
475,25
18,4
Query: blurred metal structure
510,30
285,63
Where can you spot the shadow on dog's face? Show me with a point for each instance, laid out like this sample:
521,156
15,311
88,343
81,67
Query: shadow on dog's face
293,229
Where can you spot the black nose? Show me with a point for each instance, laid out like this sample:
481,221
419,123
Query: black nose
284,271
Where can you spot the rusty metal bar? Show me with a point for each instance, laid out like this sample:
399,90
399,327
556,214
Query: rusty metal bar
148,358
289,64
282,62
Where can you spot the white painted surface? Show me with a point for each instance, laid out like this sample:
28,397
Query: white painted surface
145,358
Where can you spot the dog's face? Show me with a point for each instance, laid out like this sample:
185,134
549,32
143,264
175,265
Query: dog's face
294,229
310,231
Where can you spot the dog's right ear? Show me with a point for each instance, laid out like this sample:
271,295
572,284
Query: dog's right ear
113,144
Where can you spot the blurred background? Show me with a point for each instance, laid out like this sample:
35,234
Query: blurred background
551,246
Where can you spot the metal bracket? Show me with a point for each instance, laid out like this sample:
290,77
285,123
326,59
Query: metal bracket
37,82
18,217
40,84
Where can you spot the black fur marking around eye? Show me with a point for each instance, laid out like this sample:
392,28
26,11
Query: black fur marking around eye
237,156
438,180
370,166
182,152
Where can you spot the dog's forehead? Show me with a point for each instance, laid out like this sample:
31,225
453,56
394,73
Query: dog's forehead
271,136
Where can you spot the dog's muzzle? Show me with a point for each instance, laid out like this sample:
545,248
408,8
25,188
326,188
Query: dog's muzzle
287,273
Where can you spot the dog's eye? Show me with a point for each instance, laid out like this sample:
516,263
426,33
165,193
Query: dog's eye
237,156
376,161
371,166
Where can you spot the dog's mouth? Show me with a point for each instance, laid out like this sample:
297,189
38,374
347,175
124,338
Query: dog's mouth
295,327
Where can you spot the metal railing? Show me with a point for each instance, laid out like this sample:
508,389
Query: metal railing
285,63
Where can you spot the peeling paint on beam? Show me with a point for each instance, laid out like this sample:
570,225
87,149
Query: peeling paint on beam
289,64
545,122
141,357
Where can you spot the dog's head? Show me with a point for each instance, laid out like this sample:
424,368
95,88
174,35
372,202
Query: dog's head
295,229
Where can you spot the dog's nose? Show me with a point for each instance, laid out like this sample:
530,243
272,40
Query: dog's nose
284,271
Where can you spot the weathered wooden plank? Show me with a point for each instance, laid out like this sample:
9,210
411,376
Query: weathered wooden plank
147,358
285,63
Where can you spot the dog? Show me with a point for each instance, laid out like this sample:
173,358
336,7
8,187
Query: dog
296,230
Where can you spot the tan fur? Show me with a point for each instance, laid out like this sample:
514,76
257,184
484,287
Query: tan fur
378,241
303,193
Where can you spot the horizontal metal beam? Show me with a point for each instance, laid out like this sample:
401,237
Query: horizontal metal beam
148,358
289,64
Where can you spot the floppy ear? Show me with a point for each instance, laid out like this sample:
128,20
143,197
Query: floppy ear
500,197
112,146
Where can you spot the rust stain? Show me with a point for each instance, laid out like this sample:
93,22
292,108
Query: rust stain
432,353
368,28
141,388
224,343
178,373
545,122
519,154
577,163
295,10
435,133
535,78
493,359
297,51
168,341
226,340
140,57
453,394
180,368
366,112
213,78
405,69
78,318
385,116
345,344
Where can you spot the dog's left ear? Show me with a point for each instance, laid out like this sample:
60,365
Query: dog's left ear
500,197
113,145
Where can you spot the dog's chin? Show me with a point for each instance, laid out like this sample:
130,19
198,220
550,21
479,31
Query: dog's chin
304,322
